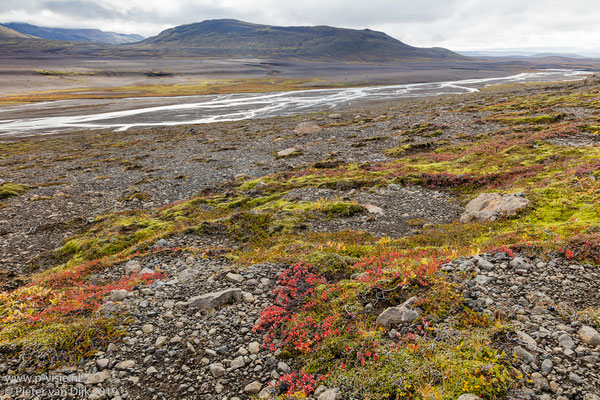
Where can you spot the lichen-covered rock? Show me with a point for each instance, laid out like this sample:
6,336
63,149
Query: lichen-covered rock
490,206
216,299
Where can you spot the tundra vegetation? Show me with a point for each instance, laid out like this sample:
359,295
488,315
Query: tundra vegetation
323,324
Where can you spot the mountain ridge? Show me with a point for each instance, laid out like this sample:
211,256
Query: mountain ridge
72,35
7,33
229,37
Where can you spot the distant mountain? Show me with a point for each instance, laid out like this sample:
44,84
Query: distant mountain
73,35
7,33
534,53
232,38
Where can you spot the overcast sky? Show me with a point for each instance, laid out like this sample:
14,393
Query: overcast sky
455,24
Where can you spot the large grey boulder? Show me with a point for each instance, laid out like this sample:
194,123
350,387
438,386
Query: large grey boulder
216,299
589,336
490,206
402,314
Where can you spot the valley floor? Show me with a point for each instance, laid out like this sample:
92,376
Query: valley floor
262,257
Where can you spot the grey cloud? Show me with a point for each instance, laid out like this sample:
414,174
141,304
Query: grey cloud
450,23
82,9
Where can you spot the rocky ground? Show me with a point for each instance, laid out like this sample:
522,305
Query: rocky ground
539,297
189,334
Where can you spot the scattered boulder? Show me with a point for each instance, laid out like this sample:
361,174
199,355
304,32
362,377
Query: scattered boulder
234,278
287,152
118,295
187,275
540,382
98,377
527,339
128,364
253,388
160,341
331,394
523,354
216,369
248,297
490,206
374,209
468,396
132,266
589,336
216,299
237,363
102,363
403,314
305,128
254,348
566,342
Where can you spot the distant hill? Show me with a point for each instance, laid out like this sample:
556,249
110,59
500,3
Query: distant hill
232,38
7,33
73,35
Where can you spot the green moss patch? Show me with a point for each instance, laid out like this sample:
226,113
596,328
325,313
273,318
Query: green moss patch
12,189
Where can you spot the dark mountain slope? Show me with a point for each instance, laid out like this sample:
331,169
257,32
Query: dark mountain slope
234,38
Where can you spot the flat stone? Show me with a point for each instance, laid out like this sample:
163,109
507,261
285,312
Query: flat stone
125,365
132,266
98,377
331,394
546,367
283,367
235,278
253,388
374,209
589,336
468,396
160,341
573,377
307,128
102,363
539,381
566,342
523,354
287,152
484,264
528,340
248,297
237,363
147,328
118,295
483,279
254,348
151,371
216,369
187,275
216,299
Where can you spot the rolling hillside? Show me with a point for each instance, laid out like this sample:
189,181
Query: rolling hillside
232,38
7,33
